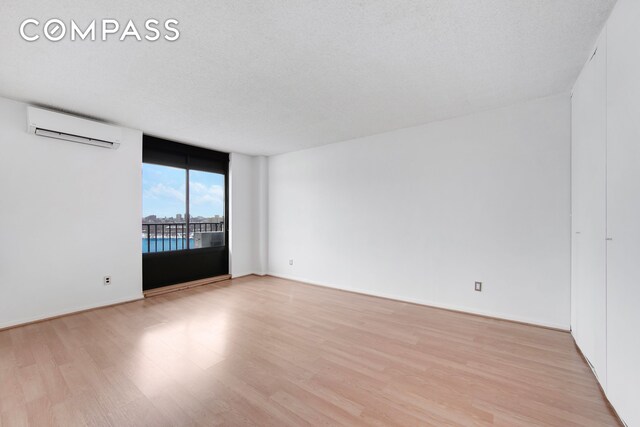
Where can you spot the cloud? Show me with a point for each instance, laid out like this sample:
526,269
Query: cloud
205,200
202,194
163,191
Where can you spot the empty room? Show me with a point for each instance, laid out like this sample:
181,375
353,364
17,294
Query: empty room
320,213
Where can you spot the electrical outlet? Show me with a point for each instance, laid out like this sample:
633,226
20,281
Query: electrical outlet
107,280
290,262
478,287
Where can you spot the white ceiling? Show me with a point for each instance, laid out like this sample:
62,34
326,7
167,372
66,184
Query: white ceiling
266,77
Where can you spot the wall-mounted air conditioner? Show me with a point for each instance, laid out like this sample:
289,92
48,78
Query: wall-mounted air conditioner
71,128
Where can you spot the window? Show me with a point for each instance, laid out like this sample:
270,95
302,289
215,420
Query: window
184,213
206,209
167,224
164,198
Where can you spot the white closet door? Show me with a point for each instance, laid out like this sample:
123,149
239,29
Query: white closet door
588,281
623,210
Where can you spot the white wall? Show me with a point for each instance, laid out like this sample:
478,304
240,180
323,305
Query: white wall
588,199
263,224
248,214
606,177
623,210
419,214
606,203
70,214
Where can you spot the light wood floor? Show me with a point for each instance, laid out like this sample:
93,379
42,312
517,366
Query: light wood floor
265,351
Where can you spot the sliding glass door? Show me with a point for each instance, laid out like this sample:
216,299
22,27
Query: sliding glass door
185,210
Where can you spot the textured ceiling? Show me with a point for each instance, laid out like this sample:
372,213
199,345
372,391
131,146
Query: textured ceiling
266,77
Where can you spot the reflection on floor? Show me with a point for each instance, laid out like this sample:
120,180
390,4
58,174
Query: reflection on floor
266,351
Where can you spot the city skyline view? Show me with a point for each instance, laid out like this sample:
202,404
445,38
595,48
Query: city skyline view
164,192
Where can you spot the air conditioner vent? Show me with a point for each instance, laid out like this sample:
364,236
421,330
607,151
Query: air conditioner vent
55,125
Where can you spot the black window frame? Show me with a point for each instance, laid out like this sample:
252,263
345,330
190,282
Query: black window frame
159,268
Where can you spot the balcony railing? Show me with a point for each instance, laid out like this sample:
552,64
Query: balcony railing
178,236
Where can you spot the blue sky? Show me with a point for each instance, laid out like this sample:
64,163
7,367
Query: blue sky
164,192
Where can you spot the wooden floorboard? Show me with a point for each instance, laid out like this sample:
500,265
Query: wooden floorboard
267,351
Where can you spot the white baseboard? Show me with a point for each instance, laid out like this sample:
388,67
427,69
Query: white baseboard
468,310
239,275
59,313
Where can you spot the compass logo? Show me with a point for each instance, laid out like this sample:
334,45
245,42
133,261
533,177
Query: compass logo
55,30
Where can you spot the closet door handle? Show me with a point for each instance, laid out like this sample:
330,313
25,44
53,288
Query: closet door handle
609,238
